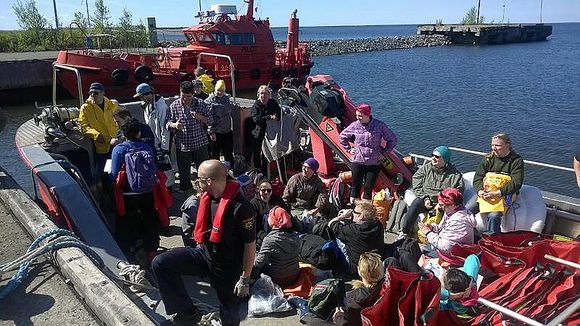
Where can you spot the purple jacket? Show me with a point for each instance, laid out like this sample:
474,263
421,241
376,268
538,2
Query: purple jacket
367,141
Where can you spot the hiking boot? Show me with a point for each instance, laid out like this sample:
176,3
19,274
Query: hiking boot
187,318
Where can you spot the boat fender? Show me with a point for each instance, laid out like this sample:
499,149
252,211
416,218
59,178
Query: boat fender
276,73
119,76
255,73
143,74
306,70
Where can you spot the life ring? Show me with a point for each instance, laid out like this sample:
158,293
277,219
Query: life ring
306,70
276,73
119,76
255,73
292,72
143,74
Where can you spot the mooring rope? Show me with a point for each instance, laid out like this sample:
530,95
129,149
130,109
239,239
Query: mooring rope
55,239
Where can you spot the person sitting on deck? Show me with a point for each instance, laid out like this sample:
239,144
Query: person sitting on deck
457,225
205,79
263,202
279,254
361,234
304,191
497,181
459,289
367,135
364,293
428,181
96,121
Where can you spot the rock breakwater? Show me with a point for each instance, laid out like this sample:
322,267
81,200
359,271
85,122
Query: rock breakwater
337,47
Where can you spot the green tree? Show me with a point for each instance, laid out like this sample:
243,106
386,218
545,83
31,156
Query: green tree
35,35
124,28
471,17
101,18
81,20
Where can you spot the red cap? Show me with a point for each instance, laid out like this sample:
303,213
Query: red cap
364,109
450,196
279,218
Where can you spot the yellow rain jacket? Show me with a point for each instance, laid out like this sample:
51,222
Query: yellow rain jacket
207,83
95,122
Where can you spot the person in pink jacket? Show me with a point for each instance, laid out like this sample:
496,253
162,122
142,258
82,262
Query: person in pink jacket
457,225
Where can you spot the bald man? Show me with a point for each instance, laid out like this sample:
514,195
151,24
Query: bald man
225,233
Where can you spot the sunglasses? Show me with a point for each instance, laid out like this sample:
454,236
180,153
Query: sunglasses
266,190
435,156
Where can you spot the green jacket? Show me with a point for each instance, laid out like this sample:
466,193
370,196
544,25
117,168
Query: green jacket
511,164
428,181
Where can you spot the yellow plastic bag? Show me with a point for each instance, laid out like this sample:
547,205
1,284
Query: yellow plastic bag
492,182
383,203
434,216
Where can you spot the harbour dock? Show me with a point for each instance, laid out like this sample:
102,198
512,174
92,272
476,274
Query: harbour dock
488,33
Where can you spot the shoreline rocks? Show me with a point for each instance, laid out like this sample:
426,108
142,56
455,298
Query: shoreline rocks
347,46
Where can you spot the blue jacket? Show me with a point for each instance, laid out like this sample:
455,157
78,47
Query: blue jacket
118,155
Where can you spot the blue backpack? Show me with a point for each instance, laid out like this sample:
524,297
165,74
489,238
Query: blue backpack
141,170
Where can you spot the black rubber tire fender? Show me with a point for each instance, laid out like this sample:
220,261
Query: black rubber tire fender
144,74
119,76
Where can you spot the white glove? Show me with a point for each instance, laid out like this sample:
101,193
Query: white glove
242,288
352,150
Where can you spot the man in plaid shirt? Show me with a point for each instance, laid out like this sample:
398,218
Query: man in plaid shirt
189,118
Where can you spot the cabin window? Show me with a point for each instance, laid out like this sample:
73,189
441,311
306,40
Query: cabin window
249,38
220,38
190,37
203,38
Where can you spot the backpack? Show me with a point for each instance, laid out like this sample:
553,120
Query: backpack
327,101
311,252
141,170
326,296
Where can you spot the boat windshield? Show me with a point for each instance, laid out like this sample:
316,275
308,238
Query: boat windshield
234,38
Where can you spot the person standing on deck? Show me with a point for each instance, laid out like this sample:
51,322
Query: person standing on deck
265,108
225,231
498,179
367,136
155,114
96,121
205,79
198,89
189,118
221,134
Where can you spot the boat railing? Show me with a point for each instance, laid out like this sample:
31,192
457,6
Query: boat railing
232,68
55,68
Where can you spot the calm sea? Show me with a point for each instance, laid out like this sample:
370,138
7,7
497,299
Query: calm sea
454,95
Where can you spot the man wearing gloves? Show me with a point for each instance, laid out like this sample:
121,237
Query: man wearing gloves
225,232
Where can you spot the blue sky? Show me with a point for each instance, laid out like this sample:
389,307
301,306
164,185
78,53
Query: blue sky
172,13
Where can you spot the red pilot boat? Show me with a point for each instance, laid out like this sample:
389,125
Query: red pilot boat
248,56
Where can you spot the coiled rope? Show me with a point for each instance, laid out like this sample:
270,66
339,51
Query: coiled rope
55,239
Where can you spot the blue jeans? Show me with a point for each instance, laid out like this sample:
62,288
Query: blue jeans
493,221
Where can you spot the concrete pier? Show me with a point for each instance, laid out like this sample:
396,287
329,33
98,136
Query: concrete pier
488,33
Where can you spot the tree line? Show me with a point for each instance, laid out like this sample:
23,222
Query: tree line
38,34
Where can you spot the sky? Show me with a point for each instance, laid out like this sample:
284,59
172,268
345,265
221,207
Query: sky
180,13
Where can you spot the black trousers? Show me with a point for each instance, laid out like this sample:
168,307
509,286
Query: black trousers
224,144
366,174
171,265
140,223
184,160
417,207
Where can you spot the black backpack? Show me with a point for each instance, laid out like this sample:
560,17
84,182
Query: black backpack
311,252
326,296
327,101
